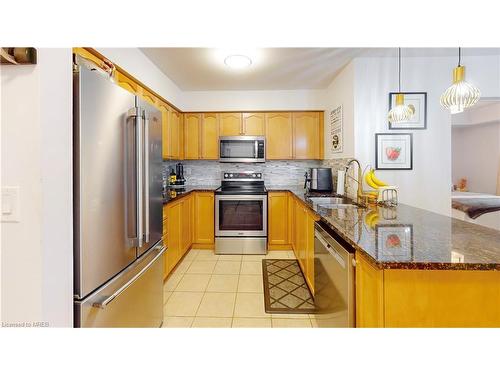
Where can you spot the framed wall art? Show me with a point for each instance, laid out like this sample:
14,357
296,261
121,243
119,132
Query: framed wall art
336,130
418,100
394,151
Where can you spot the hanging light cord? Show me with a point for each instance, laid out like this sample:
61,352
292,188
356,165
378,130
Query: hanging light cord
459,55
399,67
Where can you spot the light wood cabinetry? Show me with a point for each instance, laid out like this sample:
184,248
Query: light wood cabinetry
209,136
425,298
306,137
279,136
277,209
230,124
192,139
176,135
253,123
203,220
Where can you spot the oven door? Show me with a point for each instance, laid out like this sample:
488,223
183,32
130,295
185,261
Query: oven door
241,215
242,149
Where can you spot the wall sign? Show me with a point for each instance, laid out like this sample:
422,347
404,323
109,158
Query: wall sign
336,130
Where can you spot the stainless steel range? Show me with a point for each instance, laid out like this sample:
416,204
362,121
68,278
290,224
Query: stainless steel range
241,214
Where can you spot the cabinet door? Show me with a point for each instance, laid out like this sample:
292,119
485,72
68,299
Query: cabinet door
175,135
192,125
369,294
306,135
309,253
148,97
186,224
291,221
230,124
126,83
279,136
278,218
210,136
174,224
203,218
165,131
254,123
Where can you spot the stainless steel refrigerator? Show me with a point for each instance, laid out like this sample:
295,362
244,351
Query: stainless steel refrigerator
118,251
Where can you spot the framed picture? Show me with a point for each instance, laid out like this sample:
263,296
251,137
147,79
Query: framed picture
394,242
394,151
419,119
336,130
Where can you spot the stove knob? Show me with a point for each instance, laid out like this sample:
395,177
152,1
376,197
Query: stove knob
254,175
259,175
231,175
225,175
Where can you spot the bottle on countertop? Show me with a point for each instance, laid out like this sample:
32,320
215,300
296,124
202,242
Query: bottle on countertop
172,177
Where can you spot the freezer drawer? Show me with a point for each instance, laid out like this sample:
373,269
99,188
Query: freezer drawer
134,298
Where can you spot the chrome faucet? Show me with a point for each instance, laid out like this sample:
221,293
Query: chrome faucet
359,180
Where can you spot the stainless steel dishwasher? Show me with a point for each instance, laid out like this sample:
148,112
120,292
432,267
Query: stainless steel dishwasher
334,281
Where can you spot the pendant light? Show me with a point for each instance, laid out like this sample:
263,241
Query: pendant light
400,112
461,94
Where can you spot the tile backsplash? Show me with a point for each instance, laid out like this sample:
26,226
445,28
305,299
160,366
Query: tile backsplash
276,172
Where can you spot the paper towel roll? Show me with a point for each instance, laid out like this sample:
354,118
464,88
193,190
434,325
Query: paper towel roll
340,182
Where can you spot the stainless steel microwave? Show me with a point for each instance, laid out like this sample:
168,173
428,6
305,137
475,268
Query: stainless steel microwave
242,149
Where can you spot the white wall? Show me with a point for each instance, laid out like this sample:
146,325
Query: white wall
428,185
138,65
36,252
263,100
476,156
341,92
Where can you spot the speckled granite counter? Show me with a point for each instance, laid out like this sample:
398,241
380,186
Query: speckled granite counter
172,194
406,237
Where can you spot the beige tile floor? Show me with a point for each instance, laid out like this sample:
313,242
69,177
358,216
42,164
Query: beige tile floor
222,291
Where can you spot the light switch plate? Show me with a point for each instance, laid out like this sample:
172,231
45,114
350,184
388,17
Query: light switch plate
10,204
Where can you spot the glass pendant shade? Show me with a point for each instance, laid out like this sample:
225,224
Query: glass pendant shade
461,94
400,112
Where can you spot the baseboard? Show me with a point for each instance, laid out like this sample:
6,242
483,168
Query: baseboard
203,246
279,247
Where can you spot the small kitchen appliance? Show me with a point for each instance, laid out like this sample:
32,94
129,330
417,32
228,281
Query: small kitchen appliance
242,149
319,179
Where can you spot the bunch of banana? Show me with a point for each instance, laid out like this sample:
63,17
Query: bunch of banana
371,218
373,181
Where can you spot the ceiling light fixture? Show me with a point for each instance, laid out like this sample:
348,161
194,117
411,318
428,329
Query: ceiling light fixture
461,94
238,61
400,112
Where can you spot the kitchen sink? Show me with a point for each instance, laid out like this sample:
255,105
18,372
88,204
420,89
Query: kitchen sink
332,202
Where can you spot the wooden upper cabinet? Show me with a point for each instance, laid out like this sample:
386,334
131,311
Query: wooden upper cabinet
192,126
175,135
254,123
126,83
279,135
306,134
148,97
210,136
165,131
230,124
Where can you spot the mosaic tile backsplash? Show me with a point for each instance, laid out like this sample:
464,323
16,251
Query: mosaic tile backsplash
207,172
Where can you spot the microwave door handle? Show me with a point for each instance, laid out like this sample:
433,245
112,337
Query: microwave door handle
146,178
256,149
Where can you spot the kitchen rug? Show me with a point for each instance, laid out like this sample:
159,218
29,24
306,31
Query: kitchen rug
285,289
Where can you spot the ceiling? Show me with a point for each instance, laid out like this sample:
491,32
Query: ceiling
200,69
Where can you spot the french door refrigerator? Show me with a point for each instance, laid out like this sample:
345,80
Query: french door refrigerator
118,251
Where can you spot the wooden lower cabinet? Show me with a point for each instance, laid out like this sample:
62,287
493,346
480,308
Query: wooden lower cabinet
187,221
425,298
291,224
203,220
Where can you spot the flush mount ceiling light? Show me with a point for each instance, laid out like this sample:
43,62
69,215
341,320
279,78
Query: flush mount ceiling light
461,94
400,112
238,61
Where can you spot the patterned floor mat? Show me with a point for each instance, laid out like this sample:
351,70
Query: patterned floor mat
285,289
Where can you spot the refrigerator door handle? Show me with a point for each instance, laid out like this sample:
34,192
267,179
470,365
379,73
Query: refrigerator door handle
146,178
106,301
140,176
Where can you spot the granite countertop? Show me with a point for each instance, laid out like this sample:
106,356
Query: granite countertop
172,194
406,237
403,237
